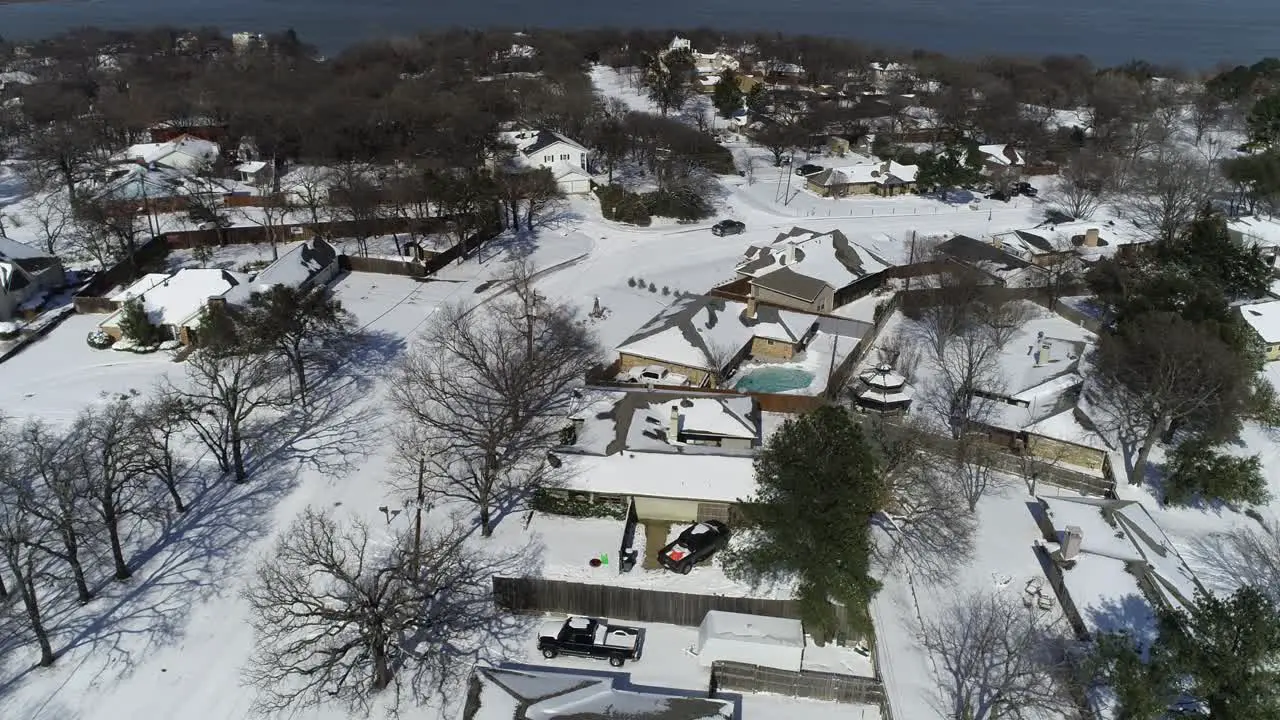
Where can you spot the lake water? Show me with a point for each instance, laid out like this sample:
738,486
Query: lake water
1192,33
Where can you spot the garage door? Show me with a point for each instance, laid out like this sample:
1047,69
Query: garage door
575,187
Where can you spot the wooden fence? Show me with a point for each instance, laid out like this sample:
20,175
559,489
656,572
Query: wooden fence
382,266
742,677
90,298
527,594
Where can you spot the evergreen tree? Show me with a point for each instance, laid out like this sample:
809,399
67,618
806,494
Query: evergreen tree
1142,685
1197,469
1227,650
727,97
1264,122
136,326
957,165
818,485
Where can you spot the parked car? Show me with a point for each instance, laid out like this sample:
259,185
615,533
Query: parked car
1000,195
809,169
696,544
728,227
1025,188
654,375
592,638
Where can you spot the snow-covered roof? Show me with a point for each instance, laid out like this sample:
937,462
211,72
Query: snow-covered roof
723,417
140,183
16,77
1066,427
521,692
298,266
829,258
179,300
865,170
185,153
562,171
1002,155
678,476
698,331
13,250
528,142
1259,231
140,286
251,167
1264,318
756,629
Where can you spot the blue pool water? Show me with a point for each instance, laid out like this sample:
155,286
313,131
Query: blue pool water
774,380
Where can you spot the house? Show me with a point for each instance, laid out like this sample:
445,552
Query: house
1111,554
865,176
705,338
1259,232
565,158
1264,319
253,172
185,153
1001,157
715,63
535,692
996,263
680,43
747,83
805,270
26,277
154,188
205,128
608,422
243,42
176,304
309,264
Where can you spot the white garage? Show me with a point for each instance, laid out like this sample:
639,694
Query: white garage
751,639
572,180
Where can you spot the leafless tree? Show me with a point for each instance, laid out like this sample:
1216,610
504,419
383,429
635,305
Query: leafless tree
226,388
1166,189
1088,180
1249,554
309,187
925,520
54,221
21,534
337,611
1207,112
271,213
298,327
486,388
359,200
57,497
155,436
998,659
102,456
973,467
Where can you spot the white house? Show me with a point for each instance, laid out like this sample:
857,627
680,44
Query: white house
680,43
184,153
565,158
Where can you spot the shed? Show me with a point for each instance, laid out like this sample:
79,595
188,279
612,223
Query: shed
751,639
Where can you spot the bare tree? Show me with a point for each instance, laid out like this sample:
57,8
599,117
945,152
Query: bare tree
336,612
998,659
102,456
226,388
157,430
57,497
973,468
271,213
486,388
1207,111
1088,180
21,534
54,221
298,326
309,186
1166,190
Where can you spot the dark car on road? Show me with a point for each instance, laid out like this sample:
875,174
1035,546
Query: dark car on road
593,638
1025,188
809,169
728,227
696,544
1000,195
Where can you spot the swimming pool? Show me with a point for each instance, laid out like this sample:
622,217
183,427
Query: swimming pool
774,380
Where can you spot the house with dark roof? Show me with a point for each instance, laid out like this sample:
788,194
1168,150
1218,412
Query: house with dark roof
26,276
995,262
308,264
565,158
806,270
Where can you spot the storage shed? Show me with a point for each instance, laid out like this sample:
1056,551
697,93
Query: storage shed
751,639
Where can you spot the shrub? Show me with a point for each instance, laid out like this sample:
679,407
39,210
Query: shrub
666,290
653,288
631,282
9,330
621,206
99,340
684,204
577,505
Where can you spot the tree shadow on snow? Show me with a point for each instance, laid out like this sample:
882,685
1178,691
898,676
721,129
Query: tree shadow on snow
1129,614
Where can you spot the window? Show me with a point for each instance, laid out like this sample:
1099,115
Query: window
548,158
564,156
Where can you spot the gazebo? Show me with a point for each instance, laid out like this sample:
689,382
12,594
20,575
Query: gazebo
883,390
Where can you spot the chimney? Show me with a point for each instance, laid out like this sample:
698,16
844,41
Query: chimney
1071,543
1091,237
751,307
673,426
218,302
789,257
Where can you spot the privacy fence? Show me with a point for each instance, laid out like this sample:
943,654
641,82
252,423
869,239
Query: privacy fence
528,594
726,675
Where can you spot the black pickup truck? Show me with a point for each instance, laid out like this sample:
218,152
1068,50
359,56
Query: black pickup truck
593,638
